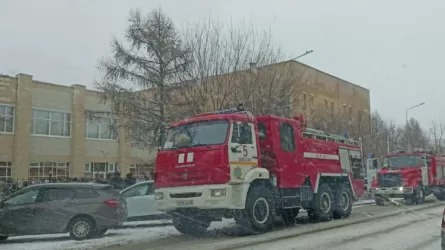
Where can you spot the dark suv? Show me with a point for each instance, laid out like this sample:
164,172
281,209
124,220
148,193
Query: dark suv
85,210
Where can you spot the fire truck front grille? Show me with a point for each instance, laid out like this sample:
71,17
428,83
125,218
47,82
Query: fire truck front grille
185,195
390,180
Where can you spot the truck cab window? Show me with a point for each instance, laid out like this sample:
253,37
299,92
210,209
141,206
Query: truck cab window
287,139
242,133
262,131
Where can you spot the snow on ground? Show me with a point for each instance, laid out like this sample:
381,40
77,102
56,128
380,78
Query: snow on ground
412,231
113,237
152,230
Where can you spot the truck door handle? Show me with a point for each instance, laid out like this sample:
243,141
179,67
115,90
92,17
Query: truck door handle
254,157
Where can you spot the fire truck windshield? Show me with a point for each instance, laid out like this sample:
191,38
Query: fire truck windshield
400,161
195,134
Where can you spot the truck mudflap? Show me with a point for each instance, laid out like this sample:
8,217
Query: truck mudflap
223,196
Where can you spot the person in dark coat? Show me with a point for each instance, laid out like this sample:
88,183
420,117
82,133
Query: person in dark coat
129,180
116,181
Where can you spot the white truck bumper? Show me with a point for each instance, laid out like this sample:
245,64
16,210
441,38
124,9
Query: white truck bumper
201,197
392,192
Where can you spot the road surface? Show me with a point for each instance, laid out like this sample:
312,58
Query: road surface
160,237
411,231
219,237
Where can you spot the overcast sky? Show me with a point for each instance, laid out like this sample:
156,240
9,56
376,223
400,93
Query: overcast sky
395,48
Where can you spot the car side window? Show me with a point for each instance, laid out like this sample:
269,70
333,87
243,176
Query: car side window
27,196
139,190
150,189
57,194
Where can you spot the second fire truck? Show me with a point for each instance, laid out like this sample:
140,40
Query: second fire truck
410,176
257,170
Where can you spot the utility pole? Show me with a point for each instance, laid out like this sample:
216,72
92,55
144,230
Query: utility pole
407,124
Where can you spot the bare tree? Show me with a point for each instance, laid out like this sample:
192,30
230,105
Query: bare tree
236,64
437,131
138,77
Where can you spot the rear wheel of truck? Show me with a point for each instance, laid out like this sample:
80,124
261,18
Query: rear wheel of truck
190,226
322,205
257,217
343,202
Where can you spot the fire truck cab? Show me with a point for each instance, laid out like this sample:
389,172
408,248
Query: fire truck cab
410,176
257,170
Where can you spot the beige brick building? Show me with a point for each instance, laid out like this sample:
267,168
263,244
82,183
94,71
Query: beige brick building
43,128
43,131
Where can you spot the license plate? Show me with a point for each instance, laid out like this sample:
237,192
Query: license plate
184,203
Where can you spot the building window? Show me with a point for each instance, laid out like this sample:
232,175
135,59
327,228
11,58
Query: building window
100,170
141,170
53,123
46,170
6,118
5,169
101,128
332,108
344,109
311,102
350,110
304,101
359,116
326,105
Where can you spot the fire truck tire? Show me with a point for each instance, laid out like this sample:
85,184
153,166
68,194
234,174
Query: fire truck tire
190,226
322,205
258,215
418,196
290,216
440,197
379,201
343,202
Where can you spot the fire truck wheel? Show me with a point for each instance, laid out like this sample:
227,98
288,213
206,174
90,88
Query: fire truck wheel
258,213
418,196
323,204
379,201
343,202
190,226
290,216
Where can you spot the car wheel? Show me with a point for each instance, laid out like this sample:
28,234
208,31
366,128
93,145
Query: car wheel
81,228
3,238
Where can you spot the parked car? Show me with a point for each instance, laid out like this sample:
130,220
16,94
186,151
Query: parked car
141,201
442,230
84,210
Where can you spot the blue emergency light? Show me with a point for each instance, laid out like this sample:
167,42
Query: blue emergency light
227,111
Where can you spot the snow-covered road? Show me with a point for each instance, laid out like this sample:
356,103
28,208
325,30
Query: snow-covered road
412,231
159,236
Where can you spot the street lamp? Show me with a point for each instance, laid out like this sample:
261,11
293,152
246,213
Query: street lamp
407,125
304,54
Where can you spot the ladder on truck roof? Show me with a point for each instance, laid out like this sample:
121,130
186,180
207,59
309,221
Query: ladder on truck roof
325,136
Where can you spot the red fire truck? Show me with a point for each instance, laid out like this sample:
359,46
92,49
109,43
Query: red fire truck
258,170
410,176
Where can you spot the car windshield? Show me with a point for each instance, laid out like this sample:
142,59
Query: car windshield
400,161
197,134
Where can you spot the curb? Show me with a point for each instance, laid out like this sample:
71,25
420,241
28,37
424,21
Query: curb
250,242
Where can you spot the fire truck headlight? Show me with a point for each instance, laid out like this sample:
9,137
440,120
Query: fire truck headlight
400,188
217,192
159,196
